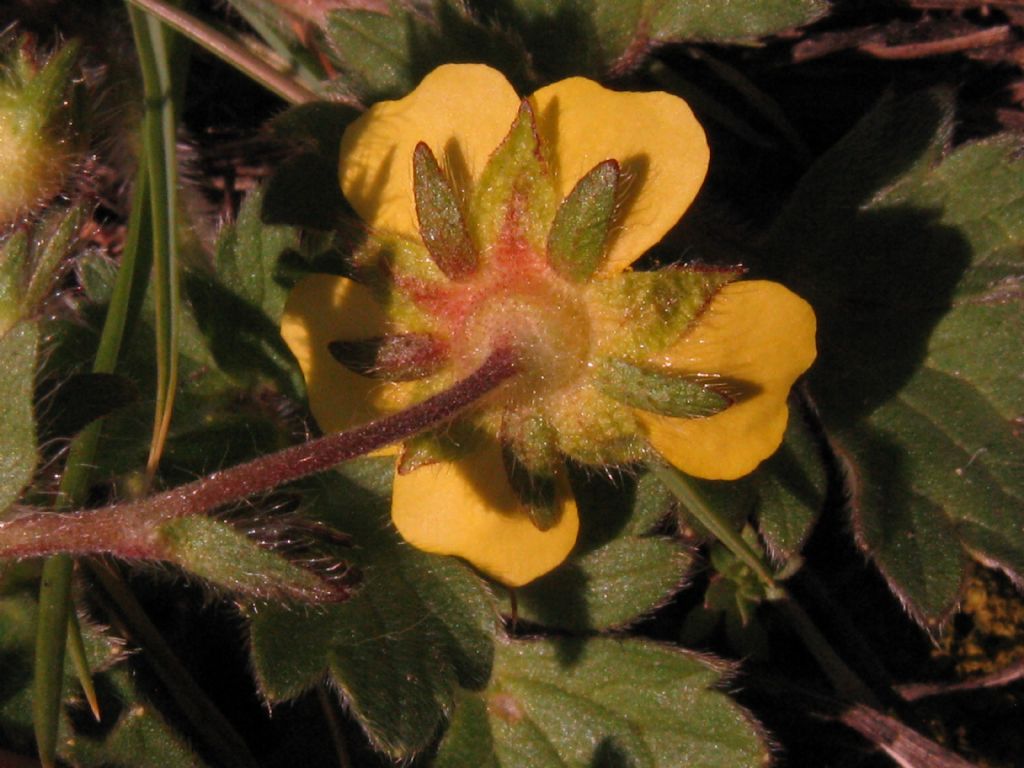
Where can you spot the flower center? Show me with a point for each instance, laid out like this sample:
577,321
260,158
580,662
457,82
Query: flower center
544,324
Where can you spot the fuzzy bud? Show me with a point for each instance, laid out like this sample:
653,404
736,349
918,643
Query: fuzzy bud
38,136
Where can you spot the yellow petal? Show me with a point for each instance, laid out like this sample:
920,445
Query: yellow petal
755,331
467,508
461,111
326,308
654,137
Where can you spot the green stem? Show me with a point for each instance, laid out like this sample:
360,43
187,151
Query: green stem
229,50
159,126
131,618
695,504
55,588
334,726
843,679
51,643
301,61
130,529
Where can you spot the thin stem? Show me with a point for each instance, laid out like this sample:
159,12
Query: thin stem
229,50
300,62
159,148
682,489
334,726
55,586
844,679
51,643
131,620
127,529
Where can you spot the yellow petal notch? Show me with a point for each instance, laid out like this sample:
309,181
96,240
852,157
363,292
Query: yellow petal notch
656,140
460,111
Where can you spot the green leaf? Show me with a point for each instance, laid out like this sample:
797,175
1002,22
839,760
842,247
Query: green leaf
595,37
576,243
317,125
304,192
384,55
85,397
913,264
139,737
575,37
730,20
238,307
620,569
791,487
419,626
230,560
18,348
374,50
247,255
597,702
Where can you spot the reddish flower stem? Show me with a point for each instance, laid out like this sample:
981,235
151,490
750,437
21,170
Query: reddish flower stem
132,529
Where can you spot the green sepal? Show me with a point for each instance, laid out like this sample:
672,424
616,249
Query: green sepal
450,443
14,258
654,309
29,259
19,348
667,392
398,357
442,225
55,237
536,490
576,243
515,199
532,460
47,89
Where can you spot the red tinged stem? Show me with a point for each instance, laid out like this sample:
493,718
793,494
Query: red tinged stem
131,529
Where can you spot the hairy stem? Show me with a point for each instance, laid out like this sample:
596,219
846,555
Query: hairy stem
131,529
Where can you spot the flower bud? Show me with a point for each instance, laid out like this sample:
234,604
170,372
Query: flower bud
38,136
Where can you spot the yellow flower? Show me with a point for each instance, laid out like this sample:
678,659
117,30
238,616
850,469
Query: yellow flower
499,221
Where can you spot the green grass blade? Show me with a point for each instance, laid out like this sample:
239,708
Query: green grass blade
229,50
76,649
51,639
55,590
160,156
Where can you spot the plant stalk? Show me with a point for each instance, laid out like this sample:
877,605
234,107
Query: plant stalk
229,50
131,529
844,680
